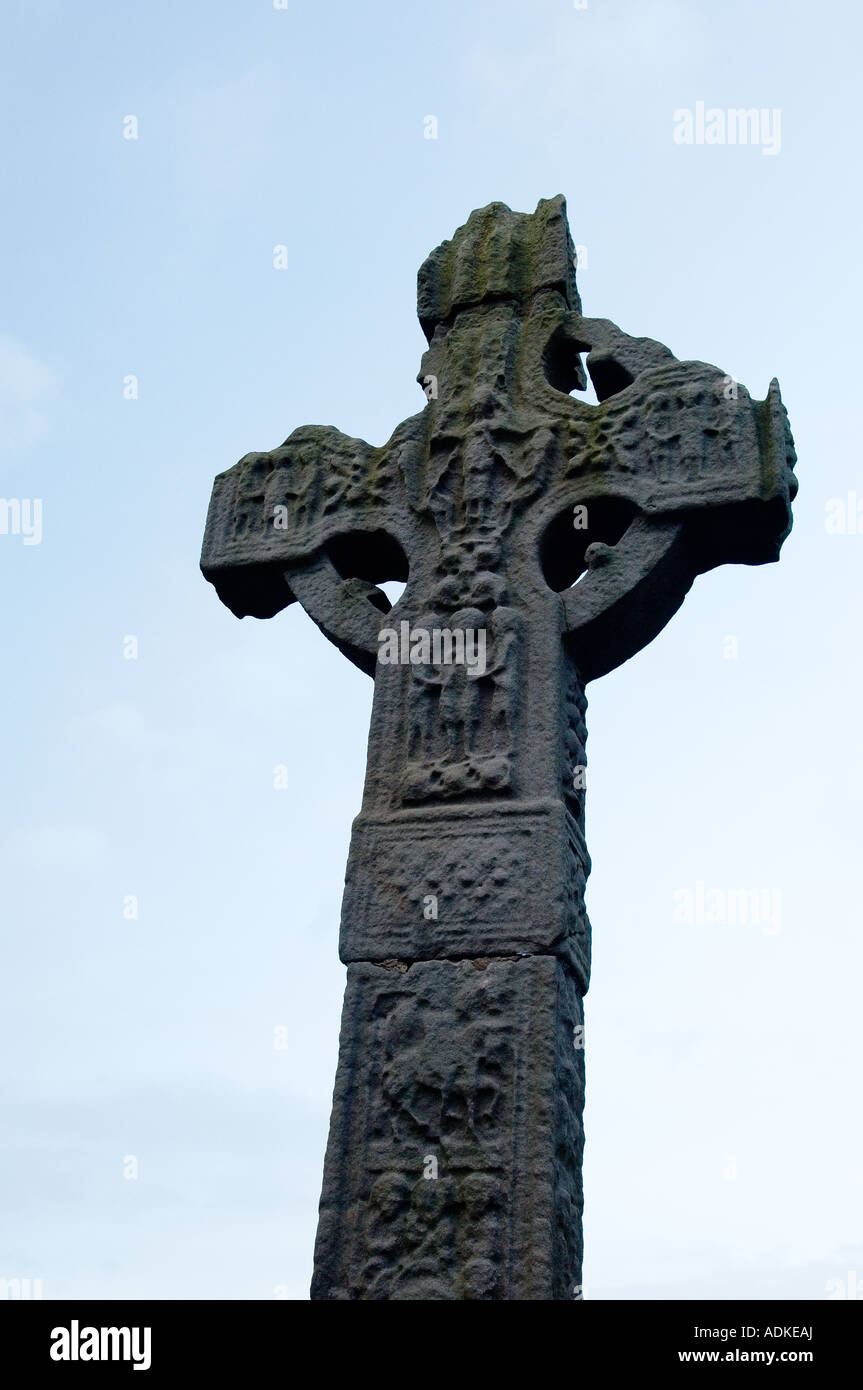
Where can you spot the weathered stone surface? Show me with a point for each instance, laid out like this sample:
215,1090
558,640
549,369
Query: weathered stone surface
568,534
471,1071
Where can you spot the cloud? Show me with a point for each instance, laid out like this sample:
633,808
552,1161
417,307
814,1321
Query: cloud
223,136
710,1273
70,848
26,386
150,754
125,726
223,1203
582,53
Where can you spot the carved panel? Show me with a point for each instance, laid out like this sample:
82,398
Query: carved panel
461,718
682,435
453,1168
466,884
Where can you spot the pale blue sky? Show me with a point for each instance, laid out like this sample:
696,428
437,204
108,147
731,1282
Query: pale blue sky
154,257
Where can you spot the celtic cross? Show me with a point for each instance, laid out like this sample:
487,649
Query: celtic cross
564,533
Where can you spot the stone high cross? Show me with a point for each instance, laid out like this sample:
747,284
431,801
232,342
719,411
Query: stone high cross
567,533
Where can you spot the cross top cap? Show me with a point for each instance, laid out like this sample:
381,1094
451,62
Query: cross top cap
498,255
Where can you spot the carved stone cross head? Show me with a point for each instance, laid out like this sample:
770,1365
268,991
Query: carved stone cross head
543,540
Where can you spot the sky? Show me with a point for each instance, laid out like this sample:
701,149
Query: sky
171,988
